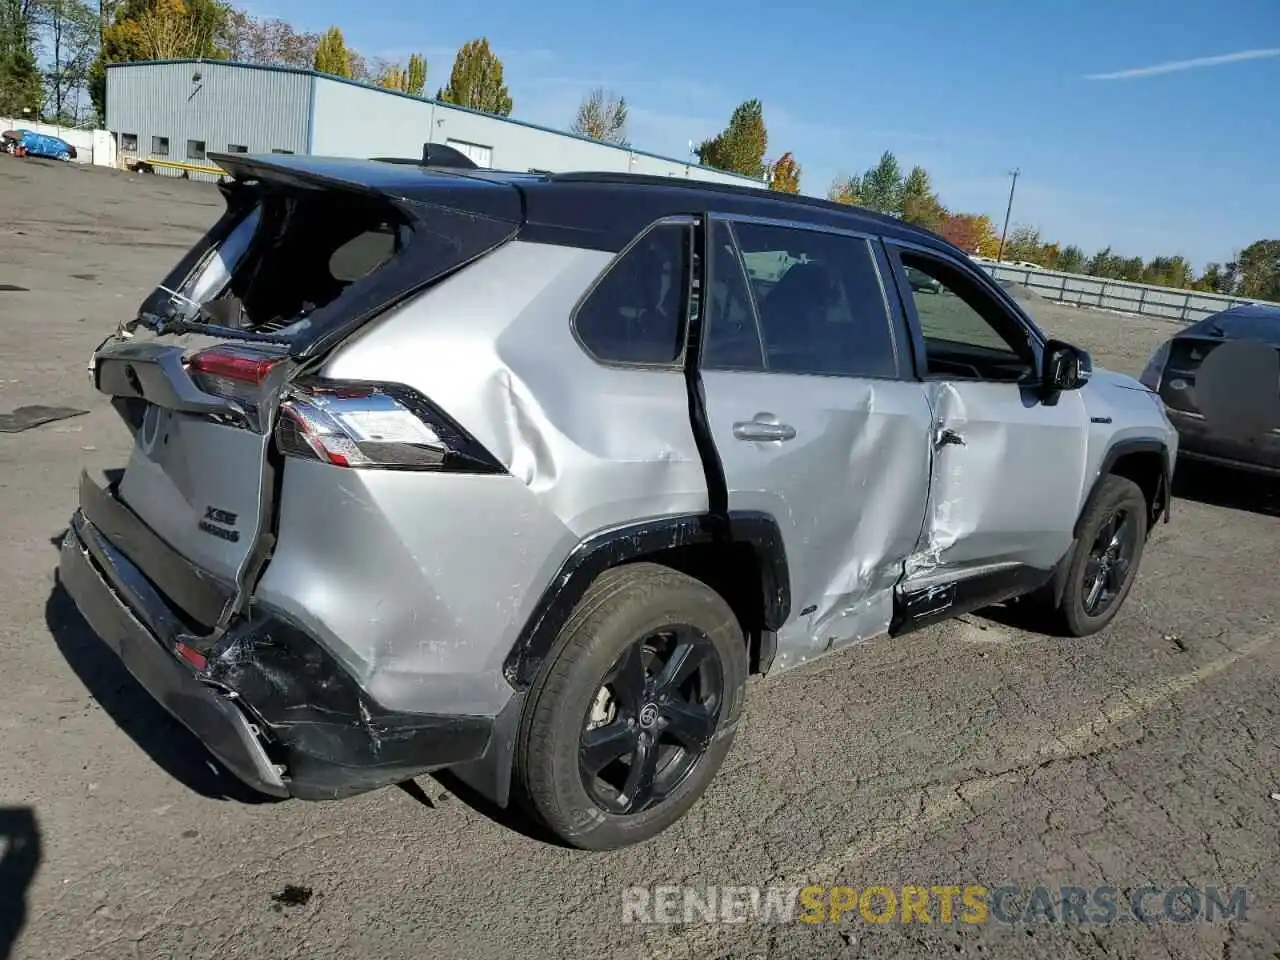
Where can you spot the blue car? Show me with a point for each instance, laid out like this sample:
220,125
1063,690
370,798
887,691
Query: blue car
43,145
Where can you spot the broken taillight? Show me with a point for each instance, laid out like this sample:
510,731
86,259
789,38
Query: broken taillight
379,426
236,373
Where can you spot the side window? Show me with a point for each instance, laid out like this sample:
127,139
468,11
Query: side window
731,338
637,310
967,332
821,306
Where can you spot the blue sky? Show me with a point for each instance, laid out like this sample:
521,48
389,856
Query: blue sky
1182,158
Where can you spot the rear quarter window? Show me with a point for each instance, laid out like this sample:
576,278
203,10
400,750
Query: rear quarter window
636,311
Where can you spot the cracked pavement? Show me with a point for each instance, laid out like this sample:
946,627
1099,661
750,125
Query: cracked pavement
970,753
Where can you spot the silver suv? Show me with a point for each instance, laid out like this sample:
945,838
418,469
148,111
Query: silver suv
522,475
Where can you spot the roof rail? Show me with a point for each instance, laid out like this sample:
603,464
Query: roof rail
729,189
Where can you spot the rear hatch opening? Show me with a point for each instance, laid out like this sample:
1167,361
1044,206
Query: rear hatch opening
306,252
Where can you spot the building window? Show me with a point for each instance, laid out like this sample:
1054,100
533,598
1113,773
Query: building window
129,142
160,146
478,153
237,148
195,149
278,150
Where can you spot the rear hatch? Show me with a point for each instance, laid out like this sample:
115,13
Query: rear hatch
307,251
1178,385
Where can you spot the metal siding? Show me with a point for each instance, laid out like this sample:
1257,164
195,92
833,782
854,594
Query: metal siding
356,121
263,110
272,108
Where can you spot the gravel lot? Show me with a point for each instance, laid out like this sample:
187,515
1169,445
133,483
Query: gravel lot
966,754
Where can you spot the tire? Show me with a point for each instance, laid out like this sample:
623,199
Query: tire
602,661
1118,497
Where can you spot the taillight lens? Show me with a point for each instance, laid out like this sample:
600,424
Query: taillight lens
235,372
1154,371
379,426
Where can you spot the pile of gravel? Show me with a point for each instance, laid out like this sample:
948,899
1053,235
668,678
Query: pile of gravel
1019,292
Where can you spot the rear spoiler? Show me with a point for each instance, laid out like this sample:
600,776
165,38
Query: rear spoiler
454,220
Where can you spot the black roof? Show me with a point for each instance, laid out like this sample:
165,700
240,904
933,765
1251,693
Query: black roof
601,210
1251,321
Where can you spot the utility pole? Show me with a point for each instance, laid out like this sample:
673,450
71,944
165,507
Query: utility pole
1009,209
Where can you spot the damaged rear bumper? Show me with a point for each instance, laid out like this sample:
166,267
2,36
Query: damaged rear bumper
268,701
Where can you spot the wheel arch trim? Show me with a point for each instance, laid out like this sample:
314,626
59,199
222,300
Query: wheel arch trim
618,545
1159,506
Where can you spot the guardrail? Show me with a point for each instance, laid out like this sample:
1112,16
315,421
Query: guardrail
1147,300
179,168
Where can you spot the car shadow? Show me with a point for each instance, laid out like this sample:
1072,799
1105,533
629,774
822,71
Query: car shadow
513,816
20,854
1224,487
169,744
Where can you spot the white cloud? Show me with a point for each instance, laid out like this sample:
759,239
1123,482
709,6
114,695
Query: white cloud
1196,63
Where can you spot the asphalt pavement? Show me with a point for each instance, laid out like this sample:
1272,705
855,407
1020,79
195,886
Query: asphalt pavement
970,755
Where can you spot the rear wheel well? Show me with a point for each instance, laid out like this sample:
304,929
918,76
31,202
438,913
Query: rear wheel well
730,569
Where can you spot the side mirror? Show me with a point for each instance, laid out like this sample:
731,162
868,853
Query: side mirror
1065,367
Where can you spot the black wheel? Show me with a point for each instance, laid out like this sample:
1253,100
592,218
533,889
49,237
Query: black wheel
1113,532
635,709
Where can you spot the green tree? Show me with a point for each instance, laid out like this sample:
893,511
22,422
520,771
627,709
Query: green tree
20,86
918,204
784,174
741,146
602,115
476,80
332,55
1071,259
881,186
1259,268
1023,243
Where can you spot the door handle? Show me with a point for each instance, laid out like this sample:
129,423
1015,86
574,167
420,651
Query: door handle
760,430
948,438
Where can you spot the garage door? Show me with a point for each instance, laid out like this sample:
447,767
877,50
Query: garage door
479,154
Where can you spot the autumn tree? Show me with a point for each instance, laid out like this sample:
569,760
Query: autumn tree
268,42
158,30
741,146
971,232
476,80
332,55
784,174
410,78
602,115
845,190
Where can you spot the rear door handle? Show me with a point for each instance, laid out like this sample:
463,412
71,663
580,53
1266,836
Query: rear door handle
761,430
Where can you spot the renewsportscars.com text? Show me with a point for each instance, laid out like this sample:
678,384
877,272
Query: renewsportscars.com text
934,904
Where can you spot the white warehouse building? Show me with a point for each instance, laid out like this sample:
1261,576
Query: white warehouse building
184,110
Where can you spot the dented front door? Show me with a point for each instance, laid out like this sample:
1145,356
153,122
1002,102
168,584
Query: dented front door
1005,482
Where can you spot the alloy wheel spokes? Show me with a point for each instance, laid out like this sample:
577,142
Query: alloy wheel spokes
605,745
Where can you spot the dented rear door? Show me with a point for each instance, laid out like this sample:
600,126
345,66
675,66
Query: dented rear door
814,421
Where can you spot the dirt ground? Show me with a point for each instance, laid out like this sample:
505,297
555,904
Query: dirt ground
970,753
